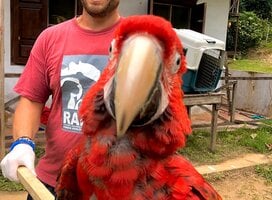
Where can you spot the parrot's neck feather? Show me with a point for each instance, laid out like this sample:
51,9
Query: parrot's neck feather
107,92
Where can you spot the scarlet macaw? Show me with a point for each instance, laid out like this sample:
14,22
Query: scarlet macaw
134,122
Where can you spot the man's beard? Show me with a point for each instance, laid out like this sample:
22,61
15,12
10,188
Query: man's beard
100,12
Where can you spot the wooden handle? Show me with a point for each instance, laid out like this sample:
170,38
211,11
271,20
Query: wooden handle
34,187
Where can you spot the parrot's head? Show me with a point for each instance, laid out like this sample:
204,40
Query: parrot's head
147,60
139,92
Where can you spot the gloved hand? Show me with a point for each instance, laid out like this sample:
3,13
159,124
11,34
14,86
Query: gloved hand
21,154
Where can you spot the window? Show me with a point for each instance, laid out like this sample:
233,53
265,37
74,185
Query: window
178,15
61,10
181,13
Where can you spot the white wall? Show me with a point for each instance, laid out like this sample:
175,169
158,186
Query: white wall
216,15
253,95
9,82
127,7
216,18
7,40
7,32
133,7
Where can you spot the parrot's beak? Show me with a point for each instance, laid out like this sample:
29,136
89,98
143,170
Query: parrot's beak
136,78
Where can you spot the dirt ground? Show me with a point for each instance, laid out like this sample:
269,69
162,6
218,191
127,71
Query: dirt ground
242,184
268,59
261,54
13,195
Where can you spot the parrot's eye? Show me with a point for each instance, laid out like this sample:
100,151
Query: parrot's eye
111,49
176,64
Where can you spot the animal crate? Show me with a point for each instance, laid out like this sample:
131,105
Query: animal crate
205,60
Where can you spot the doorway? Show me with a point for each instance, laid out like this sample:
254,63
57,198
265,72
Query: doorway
30,17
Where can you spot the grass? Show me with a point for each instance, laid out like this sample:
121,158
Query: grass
6,185
265,171
255,60
197,150
267,46
251,66
229,144
267,122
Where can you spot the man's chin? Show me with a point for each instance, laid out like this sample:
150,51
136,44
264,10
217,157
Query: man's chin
100,10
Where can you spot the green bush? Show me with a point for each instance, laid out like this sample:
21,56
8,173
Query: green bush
267,25
251,31
262,8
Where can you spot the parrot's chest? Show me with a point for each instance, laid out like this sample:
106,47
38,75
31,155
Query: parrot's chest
120,172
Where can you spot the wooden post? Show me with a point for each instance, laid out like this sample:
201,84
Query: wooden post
2,81
215,108
214,99
232,113
34,187
151,5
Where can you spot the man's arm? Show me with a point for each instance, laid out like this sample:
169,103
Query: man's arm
25,125
26,118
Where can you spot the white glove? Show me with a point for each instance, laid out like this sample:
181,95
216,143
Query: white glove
21,154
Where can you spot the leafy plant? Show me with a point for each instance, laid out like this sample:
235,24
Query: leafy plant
229,144
265,171
250,31
263,8
256,140
250,66
6,185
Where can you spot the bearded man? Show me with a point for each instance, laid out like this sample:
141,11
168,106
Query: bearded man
64,62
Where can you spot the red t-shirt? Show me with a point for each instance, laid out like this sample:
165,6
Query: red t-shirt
65,60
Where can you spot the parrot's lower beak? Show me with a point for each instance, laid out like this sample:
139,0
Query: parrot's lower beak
136,79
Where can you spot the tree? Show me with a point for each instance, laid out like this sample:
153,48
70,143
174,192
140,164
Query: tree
262,8
251,31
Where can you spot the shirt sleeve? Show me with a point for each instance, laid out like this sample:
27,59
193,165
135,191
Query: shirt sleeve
33,82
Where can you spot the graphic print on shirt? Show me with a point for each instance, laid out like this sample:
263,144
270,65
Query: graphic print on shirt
78,73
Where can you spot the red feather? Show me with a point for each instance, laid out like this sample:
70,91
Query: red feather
142,164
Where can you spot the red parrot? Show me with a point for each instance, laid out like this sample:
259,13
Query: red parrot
134,121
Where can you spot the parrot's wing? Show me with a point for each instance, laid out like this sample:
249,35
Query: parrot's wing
186,175
67,186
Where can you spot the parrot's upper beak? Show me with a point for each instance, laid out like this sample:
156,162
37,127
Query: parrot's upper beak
137,75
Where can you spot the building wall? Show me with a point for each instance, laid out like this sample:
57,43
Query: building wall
126,8
129,7
9,82
215,25
216,18
254,95
7,33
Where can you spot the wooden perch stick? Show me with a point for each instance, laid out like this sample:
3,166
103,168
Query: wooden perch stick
35,188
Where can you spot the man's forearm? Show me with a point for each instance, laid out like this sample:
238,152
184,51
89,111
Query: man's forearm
26,118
